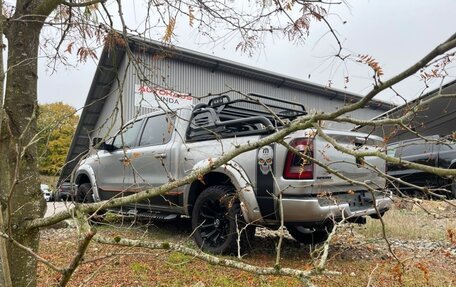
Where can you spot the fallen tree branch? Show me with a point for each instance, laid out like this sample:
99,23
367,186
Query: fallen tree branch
214,259
68,272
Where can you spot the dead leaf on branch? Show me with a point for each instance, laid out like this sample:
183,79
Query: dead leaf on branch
69,47
288,5
113,40
248,45
310,7
84,53
191,16
437,70
318,12
372,63
434,73
300,27
169,30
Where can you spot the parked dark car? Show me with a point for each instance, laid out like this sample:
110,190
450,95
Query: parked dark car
66,191
434,151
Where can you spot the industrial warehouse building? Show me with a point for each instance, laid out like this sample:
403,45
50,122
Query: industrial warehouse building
123,89
434,117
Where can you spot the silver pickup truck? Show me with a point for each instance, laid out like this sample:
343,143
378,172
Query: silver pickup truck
259,187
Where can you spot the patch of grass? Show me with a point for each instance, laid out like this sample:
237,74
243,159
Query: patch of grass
178,258
141,271
139,268
386,273
405,224
222,280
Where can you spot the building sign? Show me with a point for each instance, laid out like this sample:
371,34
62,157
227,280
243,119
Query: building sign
159,98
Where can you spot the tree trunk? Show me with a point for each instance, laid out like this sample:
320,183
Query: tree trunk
5,278
21,198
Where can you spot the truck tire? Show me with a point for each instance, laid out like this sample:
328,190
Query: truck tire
307,235
216,217
84,193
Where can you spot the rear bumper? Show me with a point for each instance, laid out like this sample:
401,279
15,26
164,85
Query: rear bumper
66,191
314,210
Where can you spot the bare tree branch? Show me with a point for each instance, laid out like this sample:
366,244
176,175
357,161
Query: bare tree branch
212,259
83,4
84,243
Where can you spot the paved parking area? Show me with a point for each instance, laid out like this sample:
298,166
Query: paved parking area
56,206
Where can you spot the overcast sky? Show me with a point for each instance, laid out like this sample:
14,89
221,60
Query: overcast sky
395,33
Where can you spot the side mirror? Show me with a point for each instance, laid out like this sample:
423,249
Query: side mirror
97,142
100,144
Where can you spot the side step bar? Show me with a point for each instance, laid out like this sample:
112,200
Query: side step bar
141,214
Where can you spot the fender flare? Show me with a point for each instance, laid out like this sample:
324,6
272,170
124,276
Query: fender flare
241,183
87,170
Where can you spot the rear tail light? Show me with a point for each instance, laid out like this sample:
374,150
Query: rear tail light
297,167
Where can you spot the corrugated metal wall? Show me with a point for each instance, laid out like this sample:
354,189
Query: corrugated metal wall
109,120
199,81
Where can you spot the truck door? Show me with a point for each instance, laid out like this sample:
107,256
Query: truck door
420,152
152,157
447,154
115,174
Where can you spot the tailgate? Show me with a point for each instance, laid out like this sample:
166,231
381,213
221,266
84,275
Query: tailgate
355,168
348,165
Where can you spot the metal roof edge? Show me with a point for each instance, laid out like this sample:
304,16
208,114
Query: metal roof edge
398,108
217,63
422,97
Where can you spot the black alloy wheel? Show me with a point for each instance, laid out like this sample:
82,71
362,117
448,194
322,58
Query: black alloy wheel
84,193
216,217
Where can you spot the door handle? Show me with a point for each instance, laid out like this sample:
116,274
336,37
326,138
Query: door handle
124,159
160,155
